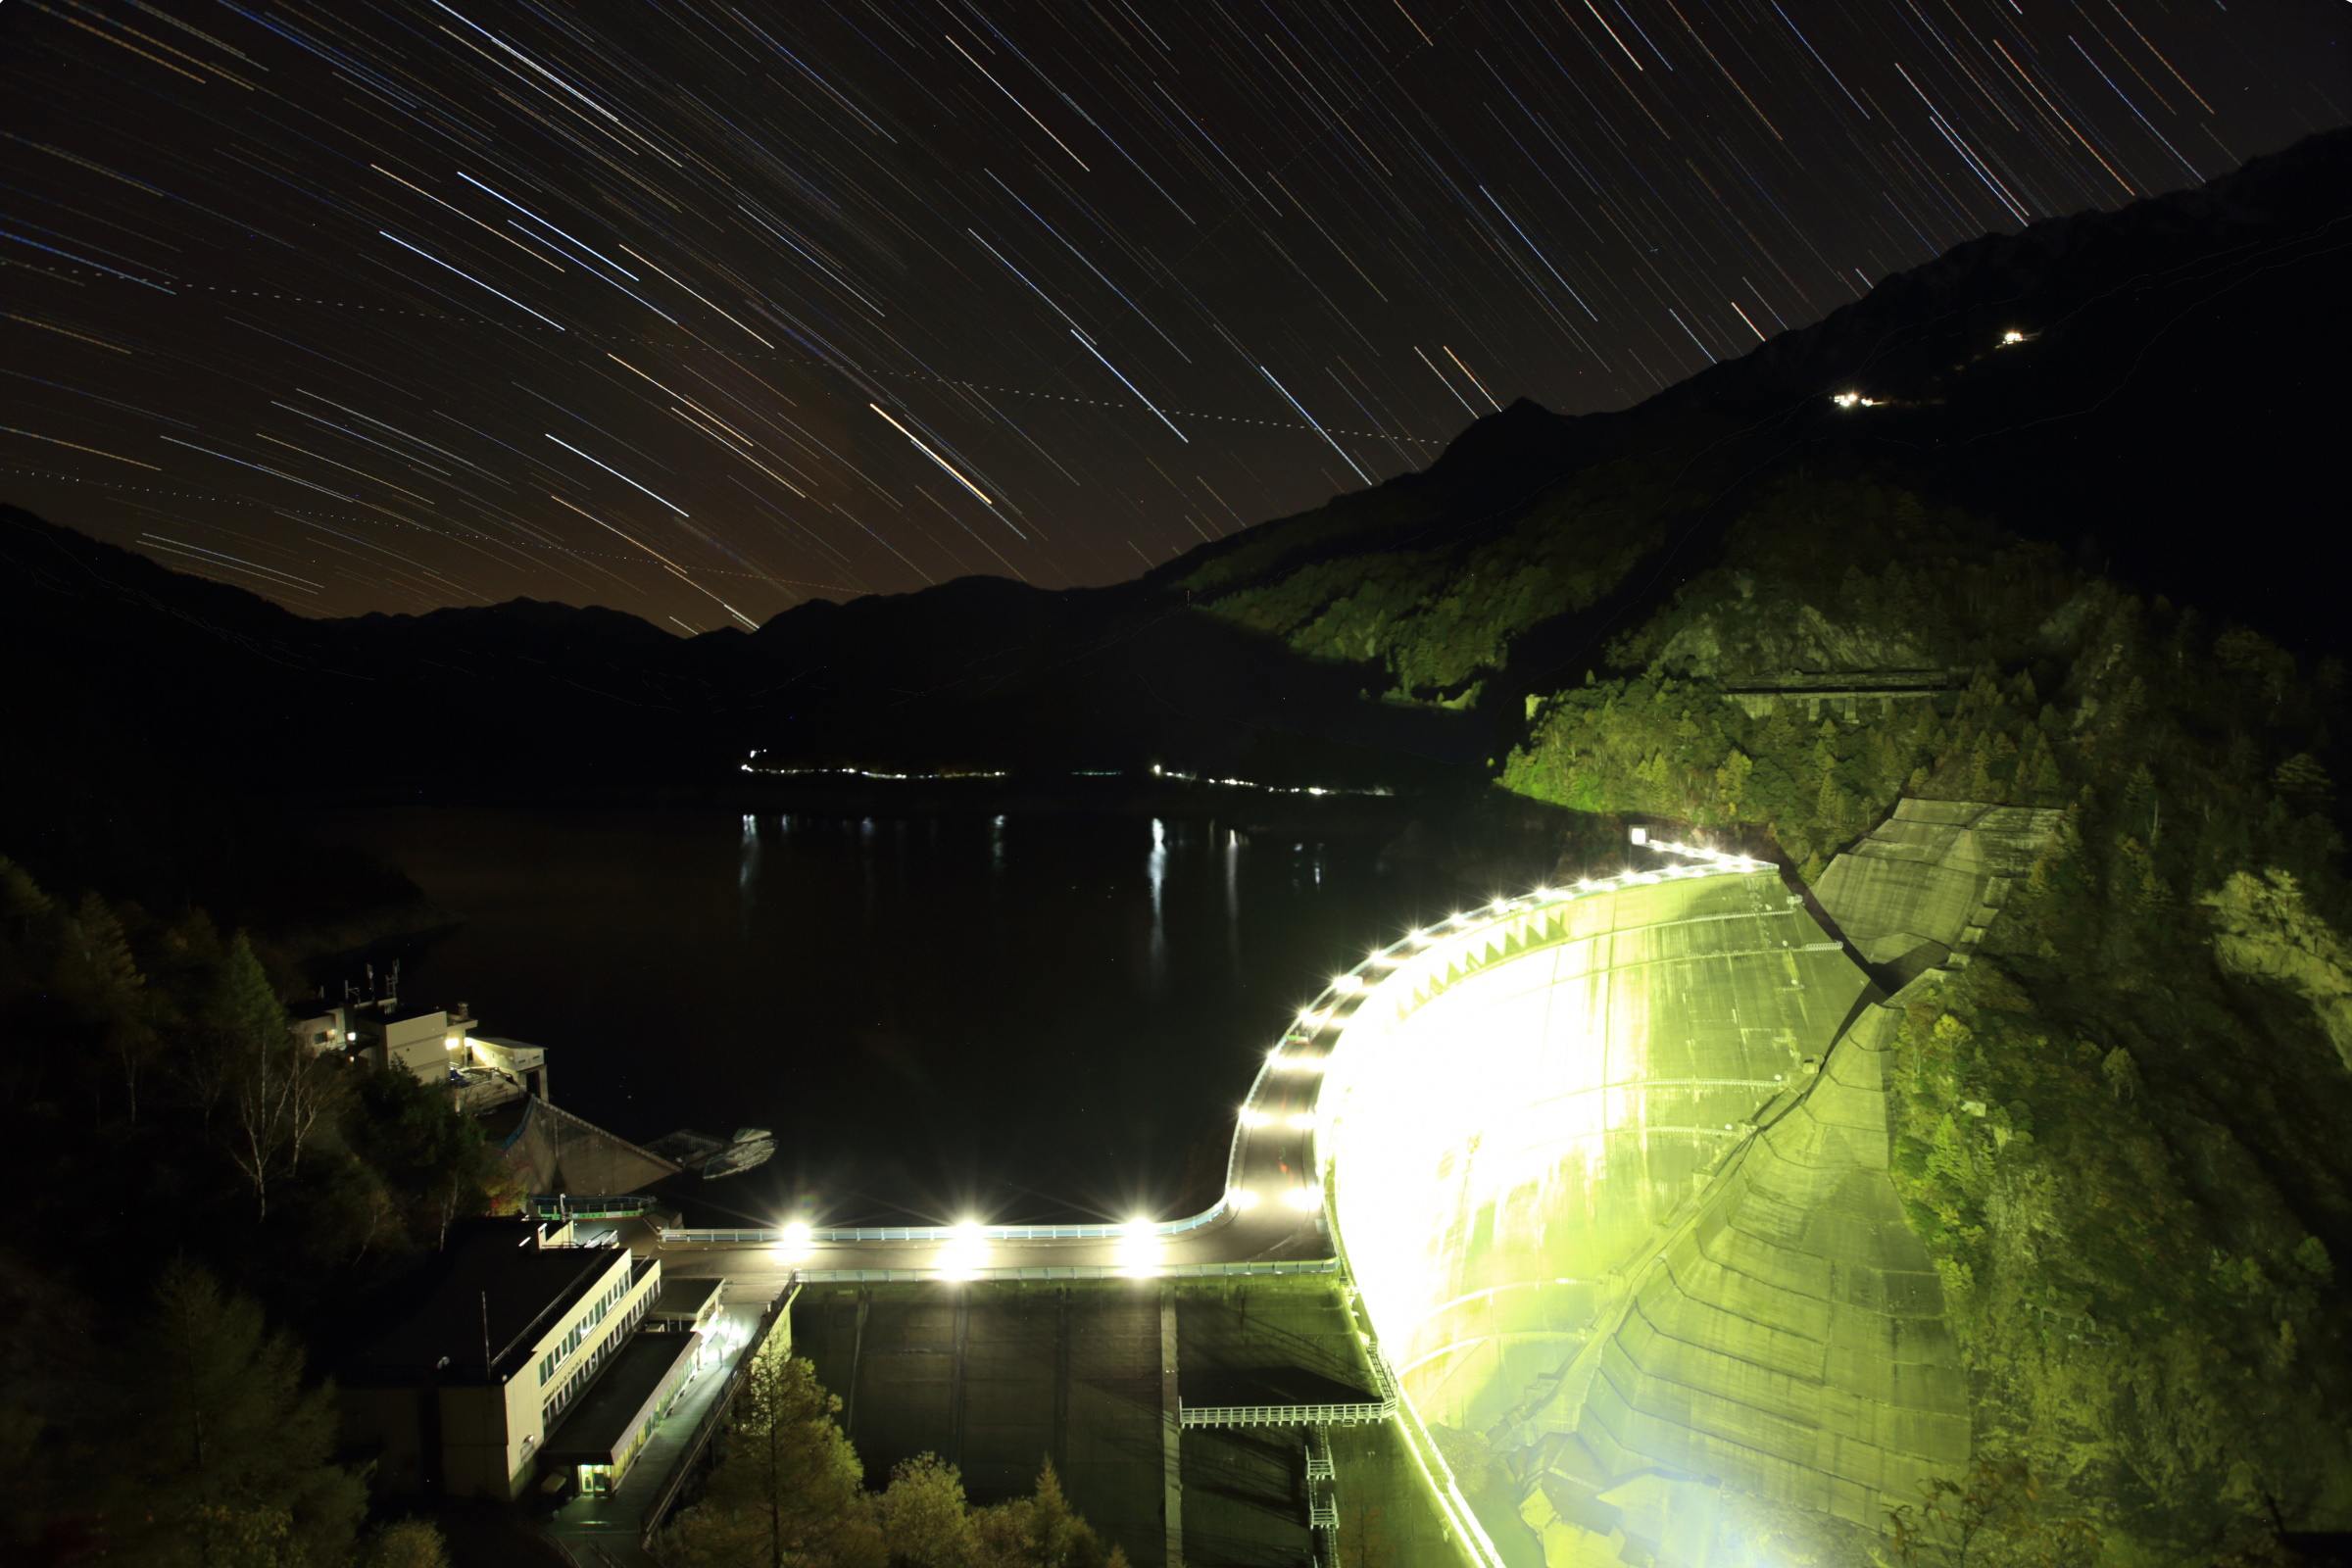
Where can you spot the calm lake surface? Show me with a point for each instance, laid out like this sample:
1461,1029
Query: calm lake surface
939,1017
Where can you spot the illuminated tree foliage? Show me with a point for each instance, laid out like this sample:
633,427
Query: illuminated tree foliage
788,1492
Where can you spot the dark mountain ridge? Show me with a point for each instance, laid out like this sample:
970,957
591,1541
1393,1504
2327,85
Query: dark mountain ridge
2180,394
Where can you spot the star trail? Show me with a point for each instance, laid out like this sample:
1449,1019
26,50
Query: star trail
701,310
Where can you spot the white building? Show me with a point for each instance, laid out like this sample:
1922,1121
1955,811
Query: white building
518,1322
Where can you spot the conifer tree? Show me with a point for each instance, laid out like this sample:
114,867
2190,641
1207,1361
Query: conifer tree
1040,1531
789,1490
925,1518
214,1452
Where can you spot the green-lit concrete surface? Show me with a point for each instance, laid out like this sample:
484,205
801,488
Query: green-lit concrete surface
999,1375
1616,1198
997,1381
1919,888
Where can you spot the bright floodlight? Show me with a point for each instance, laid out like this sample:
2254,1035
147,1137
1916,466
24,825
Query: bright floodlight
1347,983
970,1232
1509,1136
797,1234
1255,1118
1240,1198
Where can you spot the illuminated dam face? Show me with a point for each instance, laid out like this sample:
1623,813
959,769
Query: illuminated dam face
1520,1127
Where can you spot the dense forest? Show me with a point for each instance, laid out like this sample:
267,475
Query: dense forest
195,1205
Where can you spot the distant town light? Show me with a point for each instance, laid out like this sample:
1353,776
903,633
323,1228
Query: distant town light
2012,336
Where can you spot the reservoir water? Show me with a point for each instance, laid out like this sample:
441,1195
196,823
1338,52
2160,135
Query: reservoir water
939,1017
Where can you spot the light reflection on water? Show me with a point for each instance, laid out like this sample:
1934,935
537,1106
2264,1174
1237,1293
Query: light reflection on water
1027,1014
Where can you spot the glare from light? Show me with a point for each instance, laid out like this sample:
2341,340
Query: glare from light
1307,1199
1240,1198
1347,983
793,1242
1138,1253
1302,1121
965,1252
1255,1118
1313,1019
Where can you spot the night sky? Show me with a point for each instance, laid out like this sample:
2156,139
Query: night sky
699,310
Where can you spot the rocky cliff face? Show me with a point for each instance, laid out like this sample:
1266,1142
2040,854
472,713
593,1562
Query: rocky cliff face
2266,930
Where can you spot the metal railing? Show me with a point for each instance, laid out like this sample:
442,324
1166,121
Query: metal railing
610,1206
944,1235
1061,1271
1286,1415
712,1419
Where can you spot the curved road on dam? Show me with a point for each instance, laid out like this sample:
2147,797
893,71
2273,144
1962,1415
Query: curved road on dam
1272,1217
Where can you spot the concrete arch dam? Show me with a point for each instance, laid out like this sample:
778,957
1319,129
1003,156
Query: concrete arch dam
1611,1176
1603,1172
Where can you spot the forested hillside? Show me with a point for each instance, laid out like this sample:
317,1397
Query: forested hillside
199,1214
2143,1233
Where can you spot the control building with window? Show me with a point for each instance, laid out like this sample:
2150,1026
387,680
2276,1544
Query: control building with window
518,1322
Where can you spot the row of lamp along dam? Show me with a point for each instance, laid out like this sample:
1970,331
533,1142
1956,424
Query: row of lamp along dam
1559,1233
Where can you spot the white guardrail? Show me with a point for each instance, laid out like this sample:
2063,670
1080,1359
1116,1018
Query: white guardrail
1063,1271
947,1234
